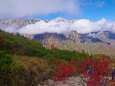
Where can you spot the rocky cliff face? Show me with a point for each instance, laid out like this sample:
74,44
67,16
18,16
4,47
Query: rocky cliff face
20,22
75,41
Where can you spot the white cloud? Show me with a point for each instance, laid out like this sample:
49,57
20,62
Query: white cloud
11,29
41,27
80,26
21,8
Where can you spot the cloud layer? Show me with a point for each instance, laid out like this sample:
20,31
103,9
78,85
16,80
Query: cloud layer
80,26
24,8
21,8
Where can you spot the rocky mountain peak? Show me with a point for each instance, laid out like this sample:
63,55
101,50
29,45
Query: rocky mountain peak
59,19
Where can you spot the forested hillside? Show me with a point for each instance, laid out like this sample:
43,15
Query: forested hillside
25,62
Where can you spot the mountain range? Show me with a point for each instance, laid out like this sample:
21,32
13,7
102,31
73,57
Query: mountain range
100,42
103,43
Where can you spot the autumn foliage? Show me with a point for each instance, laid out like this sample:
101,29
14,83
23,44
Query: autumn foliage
99,68
1,39
53,47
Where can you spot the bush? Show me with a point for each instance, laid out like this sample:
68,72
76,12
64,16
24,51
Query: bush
29,71
95,70
5,72
30,51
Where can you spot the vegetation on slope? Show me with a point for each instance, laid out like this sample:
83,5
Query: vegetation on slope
25,62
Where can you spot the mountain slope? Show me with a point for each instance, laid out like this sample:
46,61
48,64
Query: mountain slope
79,42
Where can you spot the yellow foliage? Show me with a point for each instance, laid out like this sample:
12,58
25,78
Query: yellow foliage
38,66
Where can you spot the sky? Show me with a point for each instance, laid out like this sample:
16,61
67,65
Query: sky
51,9
90,15
90,9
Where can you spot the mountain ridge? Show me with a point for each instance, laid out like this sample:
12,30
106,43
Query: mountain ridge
78,42
97,42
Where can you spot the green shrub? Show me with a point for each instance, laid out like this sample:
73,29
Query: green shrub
5,72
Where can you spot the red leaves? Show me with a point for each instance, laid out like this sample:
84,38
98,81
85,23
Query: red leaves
64,71
53,47
1,40
96,75
91,83
97,67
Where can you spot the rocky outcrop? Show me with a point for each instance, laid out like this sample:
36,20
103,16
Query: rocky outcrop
71,81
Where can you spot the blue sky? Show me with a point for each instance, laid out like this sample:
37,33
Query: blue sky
91,11
106,11
51,9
